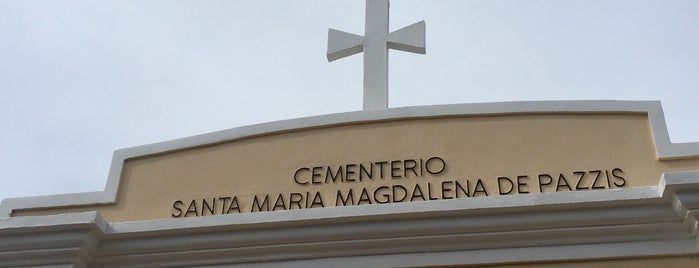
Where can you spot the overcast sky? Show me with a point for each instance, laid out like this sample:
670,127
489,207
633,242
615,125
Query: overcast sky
80,79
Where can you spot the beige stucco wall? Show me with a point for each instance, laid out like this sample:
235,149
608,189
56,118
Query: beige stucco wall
485,147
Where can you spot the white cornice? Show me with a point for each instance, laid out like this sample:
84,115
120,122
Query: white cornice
629,222
634,222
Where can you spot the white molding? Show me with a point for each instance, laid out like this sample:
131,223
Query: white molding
616,223
50,241
485,257
626,223
664,147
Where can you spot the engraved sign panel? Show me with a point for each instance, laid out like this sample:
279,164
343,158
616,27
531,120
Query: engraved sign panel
395,161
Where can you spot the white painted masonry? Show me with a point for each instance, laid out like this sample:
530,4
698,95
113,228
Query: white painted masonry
664,147
629,222
375,44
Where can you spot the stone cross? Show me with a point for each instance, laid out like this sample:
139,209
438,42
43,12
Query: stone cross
375,44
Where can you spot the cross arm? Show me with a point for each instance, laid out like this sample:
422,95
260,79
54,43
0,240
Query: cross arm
409,39
342,44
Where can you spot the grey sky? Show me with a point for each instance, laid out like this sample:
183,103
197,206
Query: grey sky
80,79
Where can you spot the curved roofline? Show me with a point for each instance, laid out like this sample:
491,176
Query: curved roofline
665,149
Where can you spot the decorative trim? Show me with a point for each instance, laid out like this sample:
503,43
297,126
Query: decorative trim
625,223
664,147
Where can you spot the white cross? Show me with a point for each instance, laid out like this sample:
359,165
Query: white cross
375,44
